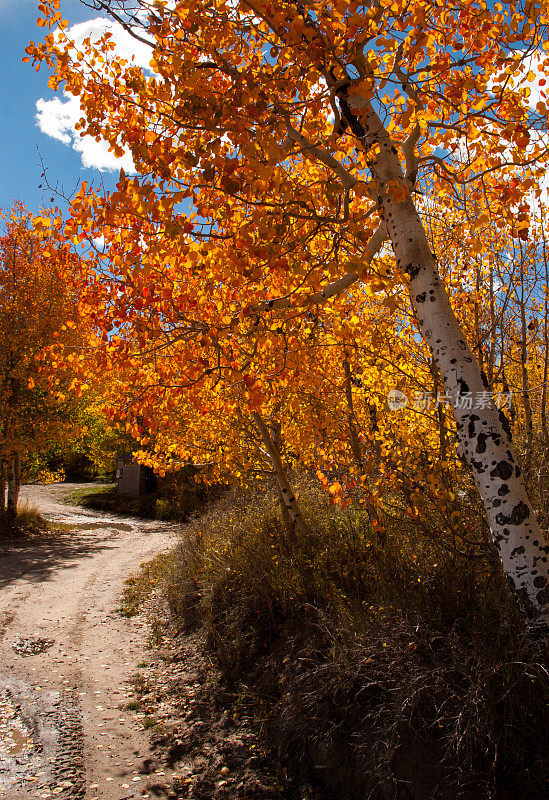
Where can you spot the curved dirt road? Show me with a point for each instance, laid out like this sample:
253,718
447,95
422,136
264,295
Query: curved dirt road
65,730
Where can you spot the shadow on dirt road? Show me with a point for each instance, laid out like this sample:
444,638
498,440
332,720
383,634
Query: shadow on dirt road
38,560
69,700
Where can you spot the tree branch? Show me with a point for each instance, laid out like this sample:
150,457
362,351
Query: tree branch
332,289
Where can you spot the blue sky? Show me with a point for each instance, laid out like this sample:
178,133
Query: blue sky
21,139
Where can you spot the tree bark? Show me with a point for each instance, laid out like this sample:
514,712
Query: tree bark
478,328
275,432
545,344
288,495
2,488
14,484
484,434
492,341
439,411
356,449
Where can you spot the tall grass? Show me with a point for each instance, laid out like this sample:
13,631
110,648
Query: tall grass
390,666
28,520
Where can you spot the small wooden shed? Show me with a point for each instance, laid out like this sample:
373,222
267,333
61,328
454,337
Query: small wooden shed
133,478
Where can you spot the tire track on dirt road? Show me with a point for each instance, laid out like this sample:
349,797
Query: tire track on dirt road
68,732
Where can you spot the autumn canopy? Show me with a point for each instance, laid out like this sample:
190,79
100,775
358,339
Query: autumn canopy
307,229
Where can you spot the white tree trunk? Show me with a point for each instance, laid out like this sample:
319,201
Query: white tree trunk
14,483
2,487
288,495
483,431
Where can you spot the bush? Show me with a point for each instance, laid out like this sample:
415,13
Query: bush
383,666
27,521
176,499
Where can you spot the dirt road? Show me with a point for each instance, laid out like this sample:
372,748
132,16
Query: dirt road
67,656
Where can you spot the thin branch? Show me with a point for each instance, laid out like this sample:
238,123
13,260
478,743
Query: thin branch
332,289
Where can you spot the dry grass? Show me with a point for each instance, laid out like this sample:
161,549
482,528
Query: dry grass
385,668
28,521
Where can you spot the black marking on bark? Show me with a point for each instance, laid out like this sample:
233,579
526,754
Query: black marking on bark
461,344
463,386
504,422
496,503
420,298
484,379
540,581
412,270
481,443
471,429
453,360
503,490
503,470
518,515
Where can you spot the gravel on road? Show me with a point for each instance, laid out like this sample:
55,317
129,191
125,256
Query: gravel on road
68,657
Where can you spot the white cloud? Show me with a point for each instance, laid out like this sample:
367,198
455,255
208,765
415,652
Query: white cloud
536,64
96,155
125,44
57,117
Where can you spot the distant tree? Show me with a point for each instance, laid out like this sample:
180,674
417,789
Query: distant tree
37,301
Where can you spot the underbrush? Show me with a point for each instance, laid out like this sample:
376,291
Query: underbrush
378,665
28,521
108,500
174,501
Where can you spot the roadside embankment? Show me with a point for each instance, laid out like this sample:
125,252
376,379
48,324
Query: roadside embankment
390,667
